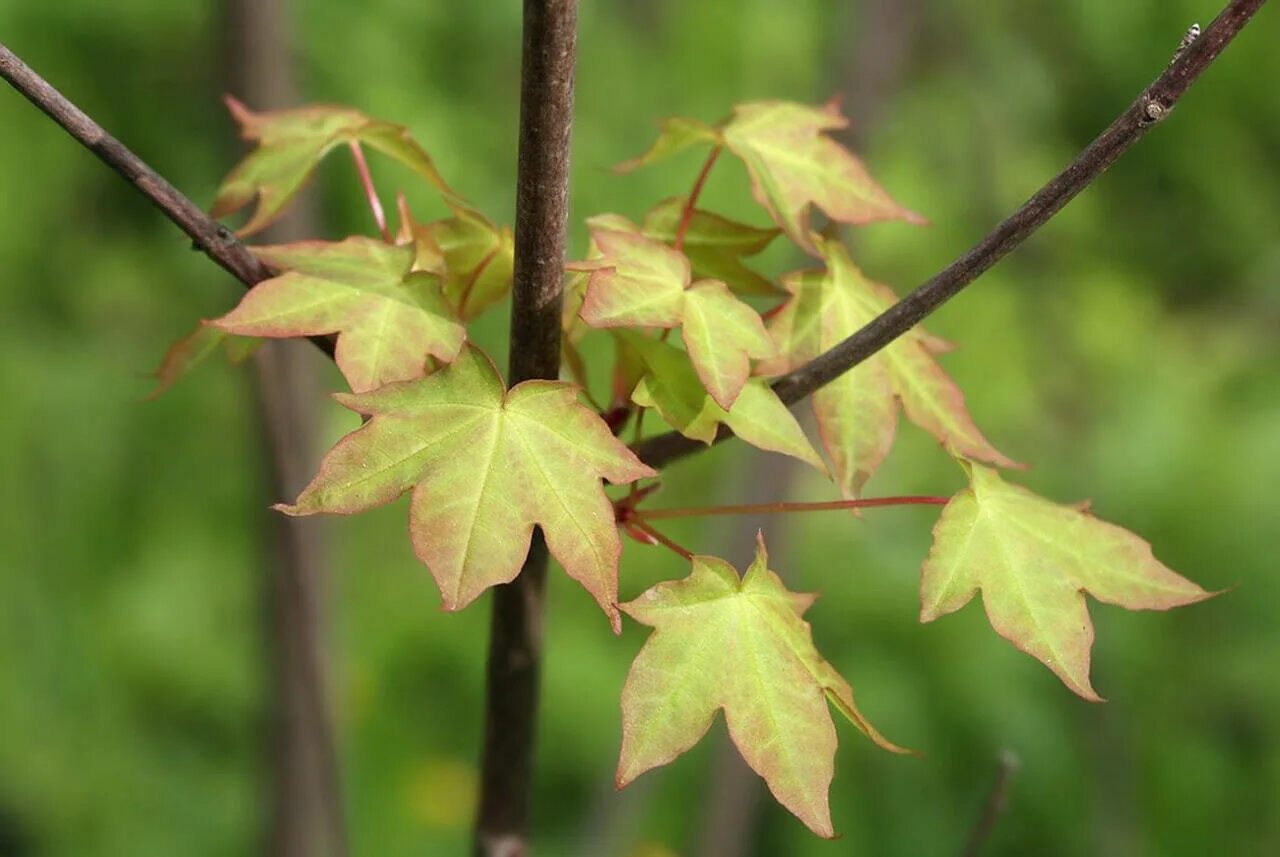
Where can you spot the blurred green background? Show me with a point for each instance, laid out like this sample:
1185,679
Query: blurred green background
1129,351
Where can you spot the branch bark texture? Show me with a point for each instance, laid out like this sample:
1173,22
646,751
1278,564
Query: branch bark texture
542,210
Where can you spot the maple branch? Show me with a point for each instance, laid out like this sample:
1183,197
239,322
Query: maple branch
785,508
542,212
1151,106
658,537
994,806
207,235
370,191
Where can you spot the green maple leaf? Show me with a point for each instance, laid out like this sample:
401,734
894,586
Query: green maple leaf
741,645
858,412
485,465
1034,560
388,318
792,163
291,143
473,258
638,281
671,386
194,349
715,245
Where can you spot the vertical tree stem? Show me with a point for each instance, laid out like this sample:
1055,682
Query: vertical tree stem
542,207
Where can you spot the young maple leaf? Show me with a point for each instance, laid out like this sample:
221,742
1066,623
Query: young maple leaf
715,245
792,163
737,644
1034,560
485,465
473,257
672,387
858,412
291,143
387,317
194,349
637,281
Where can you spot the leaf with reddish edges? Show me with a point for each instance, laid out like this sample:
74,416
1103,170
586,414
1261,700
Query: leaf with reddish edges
677,134
637,281
793,164
194,349
1034,560
715,245
291,143
858,412
473,257
721,642
671,386
388,318
485,465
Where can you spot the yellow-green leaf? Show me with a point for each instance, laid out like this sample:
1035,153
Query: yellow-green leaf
858,412
794,164
388,318
715,245
721,642
1034,561
291,143
671,386
638,281
485,465
676,135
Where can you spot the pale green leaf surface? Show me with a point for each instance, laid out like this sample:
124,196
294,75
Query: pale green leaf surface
857,413
722,335
672,387
485,465
473,258
1034,561
291,143
721,642
387,317
794,165
677,135
715,245
638,281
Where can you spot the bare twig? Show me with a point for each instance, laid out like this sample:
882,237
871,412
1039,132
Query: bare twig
1152,105
994,806
206,234
542,208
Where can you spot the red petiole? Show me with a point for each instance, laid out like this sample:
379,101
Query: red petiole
370,192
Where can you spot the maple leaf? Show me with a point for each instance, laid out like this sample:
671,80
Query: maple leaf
637,281
291,143
671,386
741,645
857,413
1034,560
194,349
792,163
485,465
387,317
715,245
473,258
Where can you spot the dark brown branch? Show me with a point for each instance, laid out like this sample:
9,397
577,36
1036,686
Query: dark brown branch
206,234
994,806
1150,107
542,210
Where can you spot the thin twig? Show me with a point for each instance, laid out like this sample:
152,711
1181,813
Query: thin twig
542,209
658,537
783,508
207,235
994,807
1152,105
